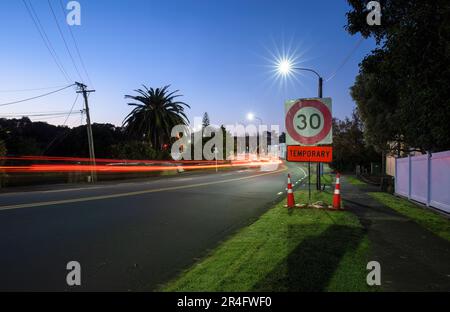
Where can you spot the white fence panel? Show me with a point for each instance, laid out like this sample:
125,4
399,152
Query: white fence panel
440,181
425,178
419,181
402,176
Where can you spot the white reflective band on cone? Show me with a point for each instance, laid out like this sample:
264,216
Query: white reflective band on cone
290,191
337,180
337,192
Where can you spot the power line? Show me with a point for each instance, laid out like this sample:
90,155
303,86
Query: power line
32,113
45,39
35,115
346,59
64,133
76,46
64,40
71,109
27,90
47,118
36,97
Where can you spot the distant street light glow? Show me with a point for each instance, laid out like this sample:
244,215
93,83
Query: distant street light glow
250,116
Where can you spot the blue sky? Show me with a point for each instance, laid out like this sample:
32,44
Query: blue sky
218,53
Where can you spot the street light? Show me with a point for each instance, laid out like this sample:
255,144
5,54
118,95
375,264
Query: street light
251,117
285,68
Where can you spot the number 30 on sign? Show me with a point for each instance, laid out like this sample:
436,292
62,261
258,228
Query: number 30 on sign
308,122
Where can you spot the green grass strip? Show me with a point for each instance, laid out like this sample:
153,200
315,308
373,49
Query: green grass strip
355,181
286,250
434,222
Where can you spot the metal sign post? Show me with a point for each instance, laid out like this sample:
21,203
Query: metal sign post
309,182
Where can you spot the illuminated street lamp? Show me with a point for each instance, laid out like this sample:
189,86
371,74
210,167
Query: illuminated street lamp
251,117
285,68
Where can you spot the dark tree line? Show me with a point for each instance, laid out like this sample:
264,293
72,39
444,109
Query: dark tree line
349,145
2,148
23,137
145,133
402,89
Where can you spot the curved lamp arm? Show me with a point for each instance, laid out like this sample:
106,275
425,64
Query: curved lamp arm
308,69
317,74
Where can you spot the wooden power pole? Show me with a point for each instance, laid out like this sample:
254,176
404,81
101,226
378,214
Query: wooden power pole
82,89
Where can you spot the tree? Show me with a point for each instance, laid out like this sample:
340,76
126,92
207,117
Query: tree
2,148
24,137
156,112
375,93
402,87
136,150
205,120
349,146
74,141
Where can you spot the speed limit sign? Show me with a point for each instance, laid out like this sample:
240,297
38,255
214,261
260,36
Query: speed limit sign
309,122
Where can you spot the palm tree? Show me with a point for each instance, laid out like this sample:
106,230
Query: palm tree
154,115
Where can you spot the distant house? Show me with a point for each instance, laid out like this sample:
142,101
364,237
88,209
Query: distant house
390,157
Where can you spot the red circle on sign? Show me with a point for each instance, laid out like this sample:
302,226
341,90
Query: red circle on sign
294,110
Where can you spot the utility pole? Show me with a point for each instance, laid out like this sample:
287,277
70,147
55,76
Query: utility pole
82,89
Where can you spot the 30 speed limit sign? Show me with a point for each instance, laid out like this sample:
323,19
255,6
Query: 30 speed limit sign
308,122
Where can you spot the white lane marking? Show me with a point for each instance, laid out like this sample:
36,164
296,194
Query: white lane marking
304,172
280,193
182,179
117,195
53,191
112,185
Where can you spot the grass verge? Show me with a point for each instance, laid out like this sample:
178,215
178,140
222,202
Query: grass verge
286,250
325,179
429,219
355,181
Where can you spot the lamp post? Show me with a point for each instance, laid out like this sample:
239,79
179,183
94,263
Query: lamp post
251,117
285,68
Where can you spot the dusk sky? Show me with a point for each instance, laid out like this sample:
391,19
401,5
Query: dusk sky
219,54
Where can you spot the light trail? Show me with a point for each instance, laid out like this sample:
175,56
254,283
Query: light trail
101,160
106,168
114,165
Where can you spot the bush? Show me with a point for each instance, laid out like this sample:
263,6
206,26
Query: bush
2,148
138,150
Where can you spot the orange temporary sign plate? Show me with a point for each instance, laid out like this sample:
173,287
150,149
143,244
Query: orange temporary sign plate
297,153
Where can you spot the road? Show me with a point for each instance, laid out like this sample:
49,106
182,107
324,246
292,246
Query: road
127,236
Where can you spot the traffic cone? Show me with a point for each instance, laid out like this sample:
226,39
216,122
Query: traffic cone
337,193
290,194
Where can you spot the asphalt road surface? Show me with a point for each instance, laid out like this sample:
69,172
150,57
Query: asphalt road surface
127,236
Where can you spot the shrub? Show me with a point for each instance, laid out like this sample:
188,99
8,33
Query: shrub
137,150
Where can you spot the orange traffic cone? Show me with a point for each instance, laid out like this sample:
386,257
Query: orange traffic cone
337,193
290,194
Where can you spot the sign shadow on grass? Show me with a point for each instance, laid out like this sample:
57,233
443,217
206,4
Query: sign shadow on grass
311,264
